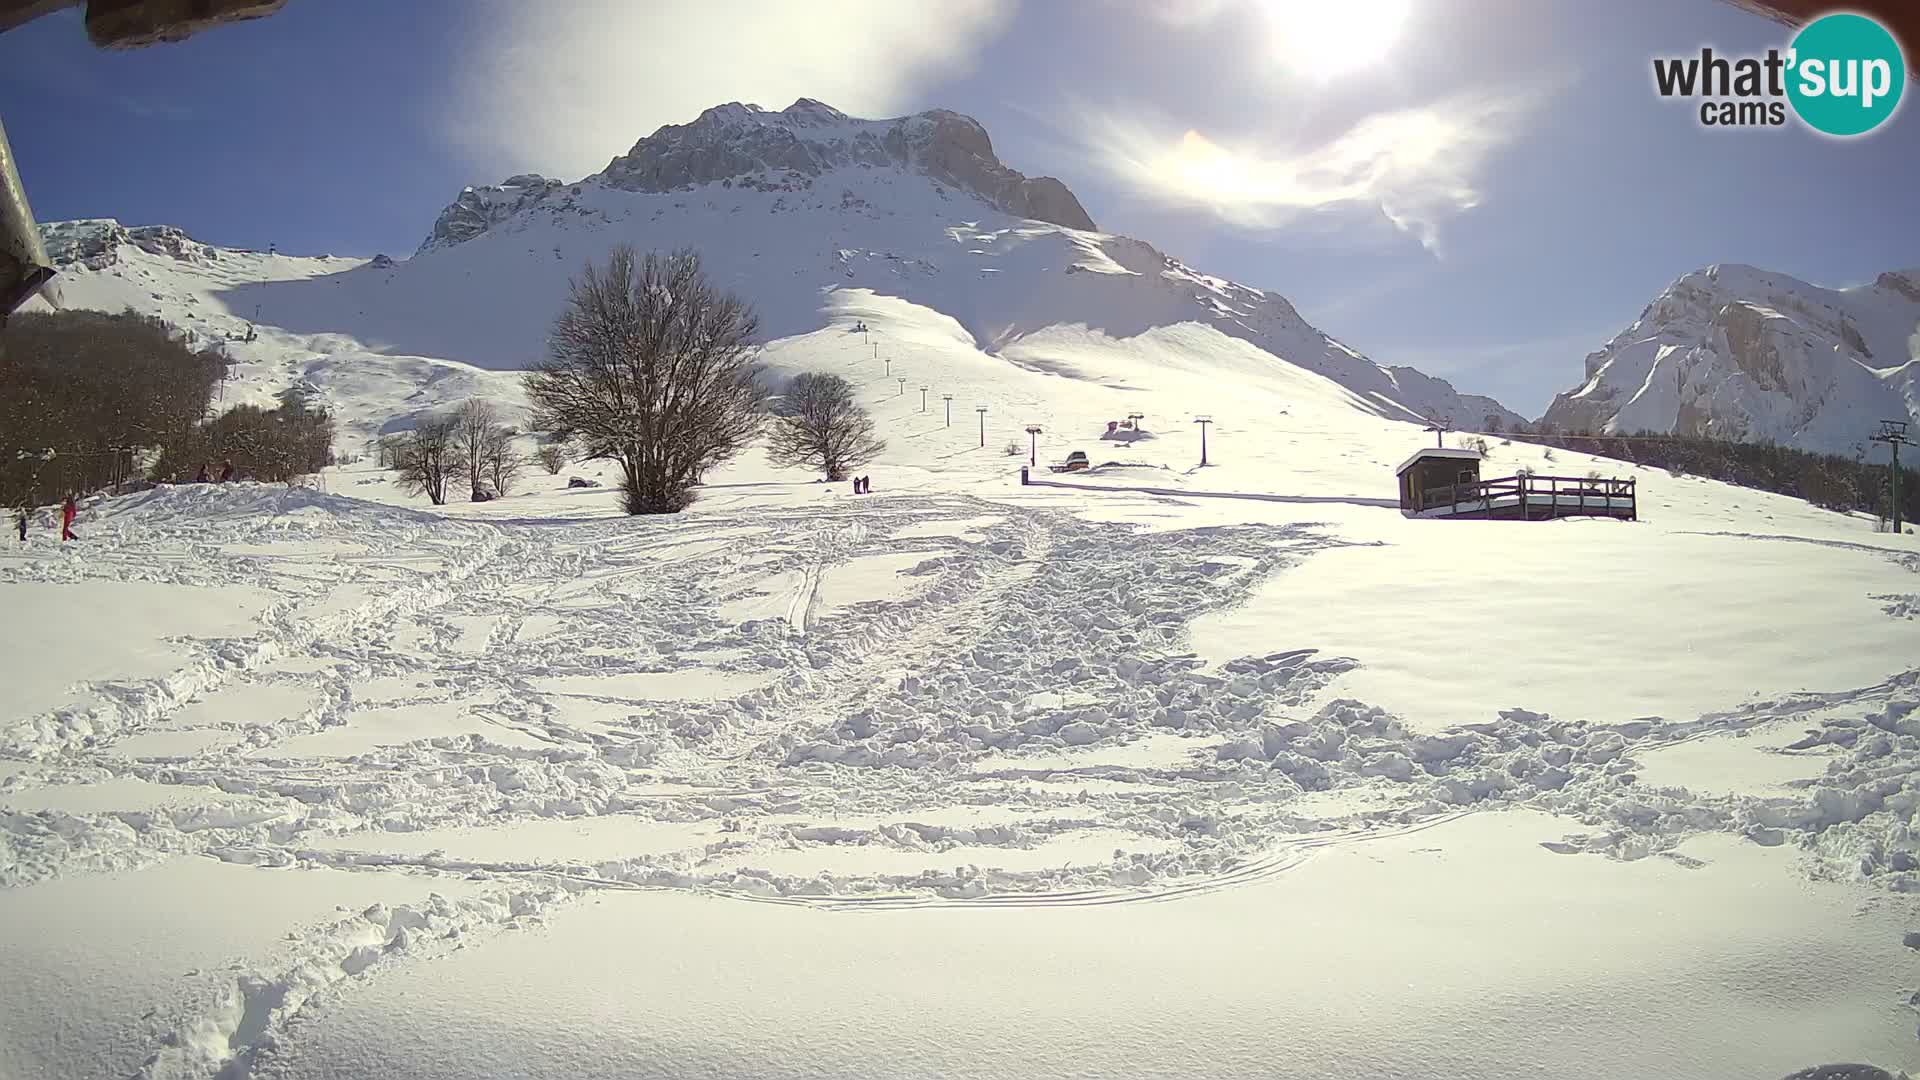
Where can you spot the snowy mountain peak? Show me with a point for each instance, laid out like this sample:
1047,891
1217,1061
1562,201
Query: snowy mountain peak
1740,352
745,145
802,114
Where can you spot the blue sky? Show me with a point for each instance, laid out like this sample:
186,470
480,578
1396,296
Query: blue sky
1484,189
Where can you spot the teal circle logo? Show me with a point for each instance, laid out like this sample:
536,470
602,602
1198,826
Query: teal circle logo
1845,74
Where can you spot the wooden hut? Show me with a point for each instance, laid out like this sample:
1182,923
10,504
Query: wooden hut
1428,477
1441,483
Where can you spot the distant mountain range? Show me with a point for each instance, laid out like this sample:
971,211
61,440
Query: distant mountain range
789,208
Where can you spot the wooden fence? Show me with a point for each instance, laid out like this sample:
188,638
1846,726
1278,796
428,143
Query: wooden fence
1533,498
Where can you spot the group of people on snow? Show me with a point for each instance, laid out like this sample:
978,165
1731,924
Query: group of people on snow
69,508
205,475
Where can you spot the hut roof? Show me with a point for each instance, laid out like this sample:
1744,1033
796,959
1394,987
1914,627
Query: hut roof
1438,452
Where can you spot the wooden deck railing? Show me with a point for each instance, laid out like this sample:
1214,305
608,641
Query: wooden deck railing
1552,495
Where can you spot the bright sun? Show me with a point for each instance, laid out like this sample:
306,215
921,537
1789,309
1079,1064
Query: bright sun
1326,38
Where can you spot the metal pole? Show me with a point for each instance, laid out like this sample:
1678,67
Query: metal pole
1203,421
24,266
1894,445
948,398
903,389
1894,434
1033,444
923,399
982,410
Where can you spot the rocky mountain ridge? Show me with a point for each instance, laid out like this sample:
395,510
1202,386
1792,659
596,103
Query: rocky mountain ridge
778,151
1737,352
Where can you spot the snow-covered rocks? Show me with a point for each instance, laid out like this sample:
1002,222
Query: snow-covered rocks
94,243
476,210
1736,352
787,150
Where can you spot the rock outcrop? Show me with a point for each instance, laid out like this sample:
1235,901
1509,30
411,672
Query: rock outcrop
476,210
95,242
808,138
1740,353
745,145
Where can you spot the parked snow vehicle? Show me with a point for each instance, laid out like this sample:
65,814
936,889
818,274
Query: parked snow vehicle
1076,462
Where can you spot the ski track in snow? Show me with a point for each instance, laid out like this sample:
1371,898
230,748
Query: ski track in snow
924,731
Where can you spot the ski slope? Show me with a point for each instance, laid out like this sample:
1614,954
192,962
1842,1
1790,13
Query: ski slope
1155,769
326,785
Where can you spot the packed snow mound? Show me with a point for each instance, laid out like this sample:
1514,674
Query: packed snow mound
783,151
175,503
1737,352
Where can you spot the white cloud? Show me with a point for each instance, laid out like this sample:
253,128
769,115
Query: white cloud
561,87
1179,13
1416,167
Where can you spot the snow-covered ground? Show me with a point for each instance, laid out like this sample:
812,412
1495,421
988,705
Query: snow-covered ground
799,783
1149,770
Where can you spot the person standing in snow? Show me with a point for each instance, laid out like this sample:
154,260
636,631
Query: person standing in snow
67,510
22,512
204,476
226,470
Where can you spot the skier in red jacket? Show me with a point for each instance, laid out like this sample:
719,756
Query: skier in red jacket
67,510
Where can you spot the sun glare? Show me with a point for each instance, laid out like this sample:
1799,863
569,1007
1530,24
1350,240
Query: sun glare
1321,39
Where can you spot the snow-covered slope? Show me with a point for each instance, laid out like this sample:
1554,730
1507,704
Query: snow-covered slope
791,209
158,270
1742,353
315,786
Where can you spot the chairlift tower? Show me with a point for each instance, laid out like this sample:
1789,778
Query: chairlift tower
982,410
1203,421
1894,434
923,399
901,379
1033,444
1440,428
948,398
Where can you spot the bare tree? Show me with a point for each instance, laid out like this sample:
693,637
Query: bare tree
552,457
500,458
476,427
650,366
388,448
819,426
425,457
